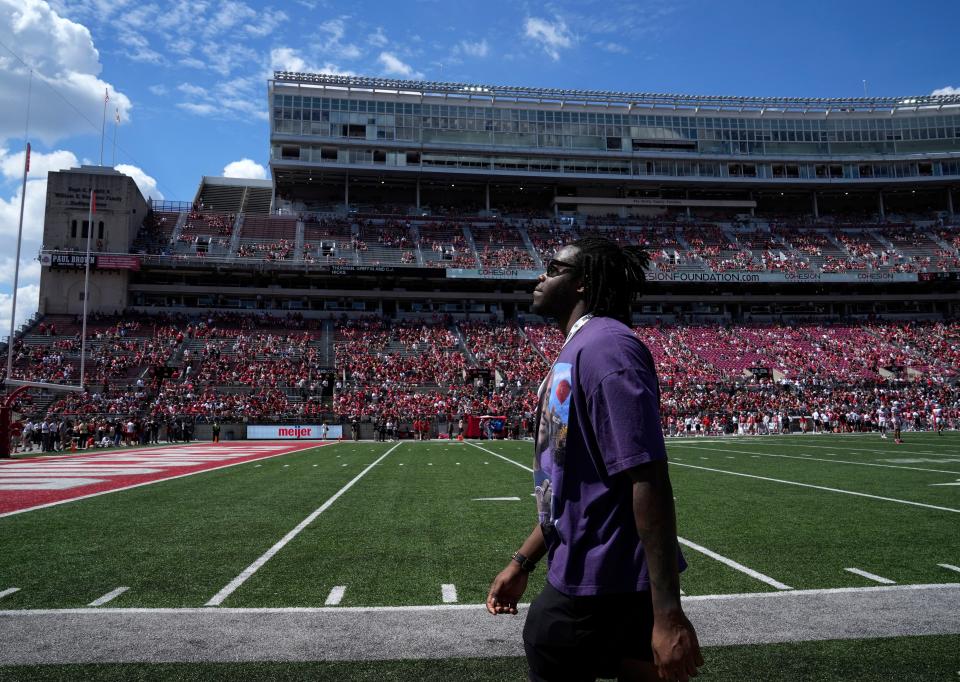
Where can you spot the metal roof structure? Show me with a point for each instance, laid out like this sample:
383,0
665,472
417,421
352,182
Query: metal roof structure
473,91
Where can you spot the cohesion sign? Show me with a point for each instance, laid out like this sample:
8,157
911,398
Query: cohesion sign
294,432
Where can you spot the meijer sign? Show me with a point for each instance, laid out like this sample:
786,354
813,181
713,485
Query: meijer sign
293,432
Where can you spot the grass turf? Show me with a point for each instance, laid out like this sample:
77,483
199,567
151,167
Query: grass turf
412,523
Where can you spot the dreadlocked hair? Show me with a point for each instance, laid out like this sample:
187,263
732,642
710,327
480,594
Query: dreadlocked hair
613,276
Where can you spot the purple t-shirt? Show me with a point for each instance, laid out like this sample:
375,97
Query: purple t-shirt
599,416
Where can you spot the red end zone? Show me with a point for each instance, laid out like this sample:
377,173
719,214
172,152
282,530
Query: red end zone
29,484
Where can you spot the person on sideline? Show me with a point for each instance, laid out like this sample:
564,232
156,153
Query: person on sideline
606,519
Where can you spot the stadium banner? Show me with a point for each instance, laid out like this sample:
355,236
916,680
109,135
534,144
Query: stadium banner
492,273
118,262
377,269
782,277
293,432
66,260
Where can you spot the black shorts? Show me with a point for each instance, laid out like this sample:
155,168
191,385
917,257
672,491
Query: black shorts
582,638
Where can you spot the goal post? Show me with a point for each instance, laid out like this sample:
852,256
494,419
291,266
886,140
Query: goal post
19,387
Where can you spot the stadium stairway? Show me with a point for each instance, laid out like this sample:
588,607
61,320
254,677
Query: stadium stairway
327,357
530,247
462,344
415,236
178,230
468,236
235,235
298,241
535,347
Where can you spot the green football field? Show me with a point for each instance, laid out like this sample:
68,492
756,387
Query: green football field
429,524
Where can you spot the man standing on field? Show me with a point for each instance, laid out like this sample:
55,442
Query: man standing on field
611,605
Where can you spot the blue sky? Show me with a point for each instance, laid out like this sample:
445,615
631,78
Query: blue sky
189,76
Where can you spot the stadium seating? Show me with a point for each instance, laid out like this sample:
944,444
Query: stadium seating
237,367
381,236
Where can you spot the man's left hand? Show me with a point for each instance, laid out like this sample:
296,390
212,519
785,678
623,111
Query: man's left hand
676,651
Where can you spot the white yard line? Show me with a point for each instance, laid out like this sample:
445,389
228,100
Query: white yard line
900,450
949,567
336,595
495,499
784,594
808,458
820,487
159,480
8,591
109,596
449,593
231,587
871,576
507,459
734,565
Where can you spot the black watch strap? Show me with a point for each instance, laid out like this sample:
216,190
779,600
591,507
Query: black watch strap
525,564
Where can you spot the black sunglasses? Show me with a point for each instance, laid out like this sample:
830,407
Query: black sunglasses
558,267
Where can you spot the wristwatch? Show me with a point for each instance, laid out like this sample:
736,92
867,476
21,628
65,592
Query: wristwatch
525,564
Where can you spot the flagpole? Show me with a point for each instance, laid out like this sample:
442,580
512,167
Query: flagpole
16,266
16,263
116,124
103,126
86,289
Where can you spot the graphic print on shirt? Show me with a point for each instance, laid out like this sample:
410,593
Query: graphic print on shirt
552,437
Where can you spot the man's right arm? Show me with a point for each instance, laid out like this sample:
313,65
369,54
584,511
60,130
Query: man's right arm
510,583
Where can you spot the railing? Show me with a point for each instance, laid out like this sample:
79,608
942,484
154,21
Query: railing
164,206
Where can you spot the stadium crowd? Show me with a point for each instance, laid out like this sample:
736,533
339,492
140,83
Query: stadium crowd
234,367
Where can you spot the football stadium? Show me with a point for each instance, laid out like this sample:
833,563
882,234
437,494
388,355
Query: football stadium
283,428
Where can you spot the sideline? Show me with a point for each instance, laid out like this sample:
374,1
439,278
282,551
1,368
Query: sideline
445,631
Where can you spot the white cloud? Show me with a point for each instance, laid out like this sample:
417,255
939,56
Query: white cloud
33,210
616,48
159,90
198,109
139,47
551,36
245,168
28,299
193,90
29,272
63,57
948,90
331,35
193,63
393,66
378,39
475,49
147,184
29,276
288,59
266,23
11,165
